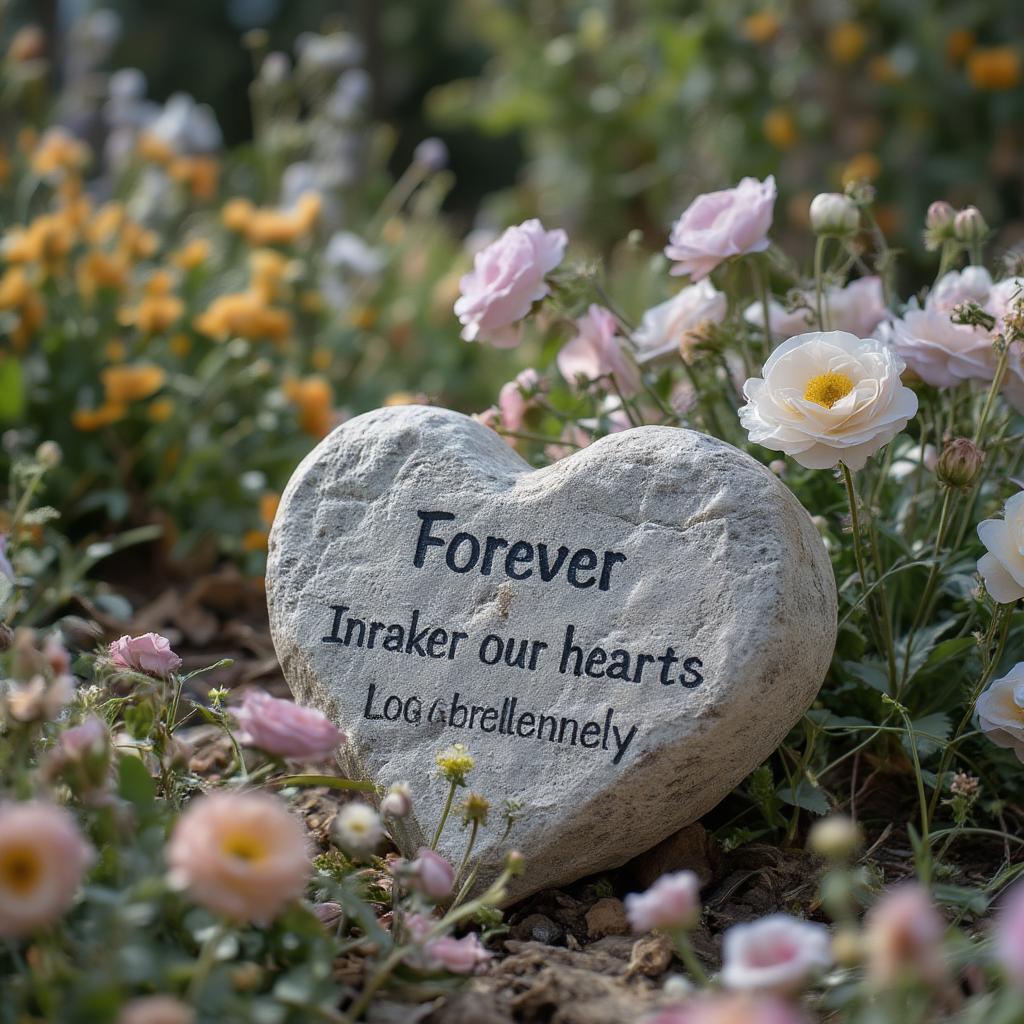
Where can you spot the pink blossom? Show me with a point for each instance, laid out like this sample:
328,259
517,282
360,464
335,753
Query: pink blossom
858,307
597,351
460,956
717,225
903,936
150,653
43,857
431,874
285,729
672,902
678,325
240,855
1009,945
776,954
506,280
730,1009
512,398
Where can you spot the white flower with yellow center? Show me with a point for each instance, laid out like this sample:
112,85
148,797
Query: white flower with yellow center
828,397
358,828
1003,565
1001,711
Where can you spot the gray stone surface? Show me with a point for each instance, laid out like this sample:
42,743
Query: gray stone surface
722,564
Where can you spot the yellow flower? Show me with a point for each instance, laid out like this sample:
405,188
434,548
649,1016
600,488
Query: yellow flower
246,315
959,43
267,226
313,396
267,270
192,254
46,240
846,42
779,128
135,242
455,763
99,270
93,419
106,222
131,383
160,410
862,167
400,398
994,68
761,27
58,152
199,174
158,309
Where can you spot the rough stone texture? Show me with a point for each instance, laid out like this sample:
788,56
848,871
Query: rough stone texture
722,564
690,848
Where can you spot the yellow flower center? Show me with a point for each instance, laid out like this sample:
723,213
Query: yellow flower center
20,869
827,388
244,846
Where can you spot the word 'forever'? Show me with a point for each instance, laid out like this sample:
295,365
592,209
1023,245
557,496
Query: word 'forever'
464,552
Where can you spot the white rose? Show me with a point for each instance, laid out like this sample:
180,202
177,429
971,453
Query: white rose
1002,567
859,308
1001,711
828,397
832,213
674,326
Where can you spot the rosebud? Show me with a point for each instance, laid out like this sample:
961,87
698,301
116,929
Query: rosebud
835,838
834,214
431,875
959,463
940,217
398,801
969,226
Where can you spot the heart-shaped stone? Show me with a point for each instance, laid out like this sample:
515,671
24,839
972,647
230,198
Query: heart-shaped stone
618,638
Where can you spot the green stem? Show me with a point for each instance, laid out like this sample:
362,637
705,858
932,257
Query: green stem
444,816
206,961
819,259
685,950
474,829
997,383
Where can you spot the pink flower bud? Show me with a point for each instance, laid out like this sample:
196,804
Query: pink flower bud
940,216
285,729
150,653
431,875
672,902
398,801
903,936
460,956
969,226
959,463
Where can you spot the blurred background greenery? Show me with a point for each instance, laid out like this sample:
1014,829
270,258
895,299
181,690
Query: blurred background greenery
605,117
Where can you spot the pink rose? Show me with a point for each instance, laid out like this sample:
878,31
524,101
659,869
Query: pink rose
431,874
506,280
858,308
512,398
284,729
718,225
672,902
44,856
150,653
903,936
597,351
460,956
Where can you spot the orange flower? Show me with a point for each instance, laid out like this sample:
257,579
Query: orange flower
131,383
314,397
761,27
18,294
959,43
59,152
994,68
267,270
136,242
158,309
160,410
92,419
255,540
156,150
779,128
106,222
244,314
199,174
46,240
846,42
192,254
862,167
100,270
268,506
266,226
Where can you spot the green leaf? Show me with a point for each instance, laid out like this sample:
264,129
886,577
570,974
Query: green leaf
930,733
330,781
871,673
134,783
807,796
12,390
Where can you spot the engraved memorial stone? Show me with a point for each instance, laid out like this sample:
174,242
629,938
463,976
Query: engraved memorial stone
618,638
